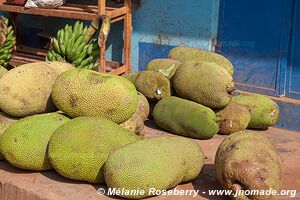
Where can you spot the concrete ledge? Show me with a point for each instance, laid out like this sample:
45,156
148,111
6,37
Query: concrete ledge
16,184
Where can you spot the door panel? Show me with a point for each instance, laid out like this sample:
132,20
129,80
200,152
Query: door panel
250,35
294,55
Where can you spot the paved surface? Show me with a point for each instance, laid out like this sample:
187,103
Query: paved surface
17,184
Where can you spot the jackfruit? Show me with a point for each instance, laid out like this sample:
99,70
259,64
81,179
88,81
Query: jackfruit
264,111
143,106
136,122
5,122
246,160
186,118
82,92
161,163
235,117
163,65
184,54
79,148
205,83
26,90
24,144
2,71
153,85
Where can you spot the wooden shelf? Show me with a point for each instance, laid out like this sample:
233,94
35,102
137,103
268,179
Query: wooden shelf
116,13
19,58
71,11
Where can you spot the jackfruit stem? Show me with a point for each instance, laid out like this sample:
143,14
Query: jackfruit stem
218,118
168,72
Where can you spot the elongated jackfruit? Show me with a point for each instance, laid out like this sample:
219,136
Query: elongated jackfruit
24,144
79,148
264,111
184,54
82,92
205,83
186,118
5,122
161,163
26,90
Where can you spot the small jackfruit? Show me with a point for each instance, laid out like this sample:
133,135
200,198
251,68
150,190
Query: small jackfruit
26,90
184,54
161,163
264,111
163,65
82,92
5,122
79,148
153,85
24,144
235,117
186,118
136,122
247,161
143,106
205,83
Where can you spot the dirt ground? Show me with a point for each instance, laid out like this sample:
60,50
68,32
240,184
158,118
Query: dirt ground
17,184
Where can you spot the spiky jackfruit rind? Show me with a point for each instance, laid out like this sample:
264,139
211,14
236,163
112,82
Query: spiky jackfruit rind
186,118
205,83
246,160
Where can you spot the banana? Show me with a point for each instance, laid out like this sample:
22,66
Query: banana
62,45
80,58
79,50
80,28
86,62
55,45
49,56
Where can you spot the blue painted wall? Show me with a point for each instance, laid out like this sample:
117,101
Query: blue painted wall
160,25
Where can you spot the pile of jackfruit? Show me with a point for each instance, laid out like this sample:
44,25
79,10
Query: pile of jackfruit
89,126
192,94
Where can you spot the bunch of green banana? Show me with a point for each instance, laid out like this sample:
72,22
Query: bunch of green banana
76,45
7,41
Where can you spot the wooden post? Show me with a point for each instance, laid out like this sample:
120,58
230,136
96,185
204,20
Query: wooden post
127,34
102,59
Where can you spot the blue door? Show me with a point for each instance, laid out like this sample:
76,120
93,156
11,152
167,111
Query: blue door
254,35
293,75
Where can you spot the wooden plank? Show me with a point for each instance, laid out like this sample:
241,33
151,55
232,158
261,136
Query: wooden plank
127,34
119,71
71,11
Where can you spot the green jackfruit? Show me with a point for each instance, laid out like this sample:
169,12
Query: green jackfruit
24,144
161,163
184,54
246,160
186,118
153,85
82,92
205,83
264,111
5,122
79,148
163,65
2,71
26,90
235,117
